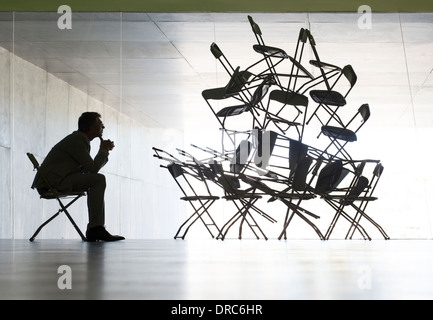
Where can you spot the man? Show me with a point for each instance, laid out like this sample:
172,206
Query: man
69,167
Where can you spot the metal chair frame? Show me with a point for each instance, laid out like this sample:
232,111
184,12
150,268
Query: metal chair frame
52,193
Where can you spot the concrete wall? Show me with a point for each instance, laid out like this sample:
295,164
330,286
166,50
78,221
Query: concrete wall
36,111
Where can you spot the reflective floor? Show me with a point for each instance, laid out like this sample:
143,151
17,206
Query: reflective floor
211,269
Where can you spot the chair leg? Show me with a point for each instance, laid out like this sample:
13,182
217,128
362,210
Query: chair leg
204,206
247,207
64,209
296,209
340,212
222,234
43,225
75,226
363,214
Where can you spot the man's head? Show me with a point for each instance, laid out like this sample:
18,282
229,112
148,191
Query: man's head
90,123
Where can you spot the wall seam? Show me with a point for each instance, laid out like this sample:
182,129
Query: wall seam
12,129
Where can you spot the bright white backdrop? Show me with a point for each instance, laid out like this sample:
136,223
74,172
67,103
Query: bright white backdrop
145,73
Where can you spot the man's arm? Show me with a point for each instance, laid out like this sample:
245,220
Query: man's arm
81,154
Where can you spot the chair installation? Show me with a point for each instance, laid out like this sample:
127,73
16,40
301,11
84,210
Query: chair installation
268,163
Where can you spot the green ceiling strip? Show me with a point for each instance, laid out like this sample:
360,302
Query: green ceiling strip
219,5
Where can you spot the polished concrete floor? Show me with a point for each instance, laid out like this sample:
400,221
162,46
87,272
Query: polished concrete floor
220,270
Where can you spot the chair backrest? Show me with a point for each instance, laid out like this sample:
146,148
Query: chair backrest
229,184
297,152
316,56
290,98
297,60
217,53
241,156
192,171
299,66
254,26
52,192
364,111
262,90
301,173
175,170
303,36
35,167
214,93
356,190
237,82
350,74
33,160
329,177
265,146
378,170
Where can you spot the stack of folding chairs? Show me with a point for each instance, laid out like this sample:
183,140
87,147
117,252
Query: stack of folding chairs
264,112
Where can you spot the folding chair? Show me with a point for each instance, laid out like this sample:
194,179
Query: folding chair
235,95
357,196
200,203
219,55
253,104
237,78
243,199
325,76
301,190
363,202
291,197
268,53
327,70
51,193
330,99
292,185
294,94
296,60
340,136
284,116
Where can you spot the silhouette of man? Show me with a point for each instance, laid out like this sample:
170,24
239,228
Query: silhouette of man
69,167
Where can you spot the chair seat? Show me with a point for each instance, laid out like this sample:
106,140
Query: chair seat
295,196
344,199
291,98
242,196
195,198
291,123
270,51
232,111
332,98
53,194
339,133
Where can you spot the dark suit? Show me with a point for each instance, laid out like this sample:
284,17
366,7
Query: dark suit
69,167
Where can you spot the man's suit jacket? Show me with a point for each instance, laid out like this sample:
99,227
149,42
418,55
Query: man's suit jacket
71,155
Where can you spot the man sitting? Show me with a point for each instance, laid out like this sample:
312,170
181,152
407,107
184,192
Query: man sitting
69,167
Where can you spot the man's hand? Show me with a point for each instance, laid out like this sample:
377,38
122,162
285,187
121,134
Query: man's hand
107,144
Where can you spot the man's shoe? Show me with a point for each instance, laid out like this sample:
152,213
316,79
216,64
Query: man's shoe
100,234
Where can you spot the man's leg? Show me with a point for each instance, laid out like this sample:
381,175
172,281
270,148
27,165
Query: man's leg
94,184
